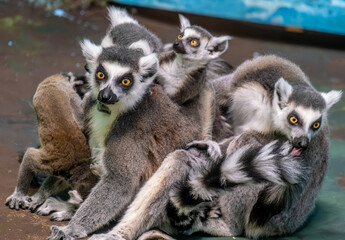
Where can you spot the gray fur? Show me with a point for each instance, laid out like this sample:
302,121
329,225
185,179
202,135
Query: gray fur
154,197
274,201
61,210
121,55
125,31
130,138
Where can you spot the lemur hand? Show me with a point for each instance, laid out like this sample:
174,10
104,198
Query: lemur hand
66,232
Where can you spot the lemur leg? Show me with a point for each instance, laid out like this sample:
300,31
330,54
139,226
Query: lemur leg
108,199
207,111
155,235
28,168
51,186
148,209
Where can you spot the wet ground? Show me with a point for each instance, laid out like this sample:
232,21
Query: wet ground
35,44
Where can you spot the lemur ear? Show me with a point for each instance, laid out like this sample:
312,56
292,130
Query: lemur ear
282,92
218,45
90,50
148,66
184,22
332,97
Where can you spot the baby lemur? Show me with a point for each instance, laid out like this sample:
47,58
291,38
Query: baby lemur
266,184
133,124
64,152
186,74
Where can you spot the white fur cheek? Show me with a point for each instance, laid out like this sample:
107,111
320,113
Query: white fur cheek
94,88
280,121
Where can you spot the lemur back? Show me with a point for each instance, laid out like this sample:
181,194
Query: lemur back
185,76
127,32
63,153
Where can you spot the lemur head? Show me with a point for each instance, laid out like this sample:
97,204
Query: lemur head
196,43
299,111
118,75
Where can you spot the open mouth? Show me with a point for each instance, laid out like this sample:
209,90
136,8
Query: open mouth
296,151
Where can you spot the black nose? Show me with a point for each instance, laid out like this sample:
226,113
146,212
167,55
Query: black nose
301,142
107,96
178,47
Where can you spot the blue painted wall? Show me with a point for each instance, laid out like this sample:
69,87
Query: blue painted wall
317,15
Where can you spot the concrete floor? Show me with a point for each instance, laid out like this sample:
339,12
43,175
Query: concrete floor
35,44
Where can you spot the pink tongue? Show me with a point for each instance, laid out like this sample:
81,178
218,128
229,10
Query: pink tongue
296,151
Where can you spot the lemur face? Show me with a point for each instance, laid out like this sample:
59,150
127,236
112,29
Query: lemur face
300,111
196,43
112,81
117,74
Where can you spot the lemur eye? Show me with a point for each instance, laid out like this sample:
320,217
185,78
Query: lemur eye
126,81
179,36
293,119
100,75
194,42
316,125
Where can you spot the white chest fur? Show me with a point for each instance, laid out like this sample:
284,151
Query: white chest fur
100,126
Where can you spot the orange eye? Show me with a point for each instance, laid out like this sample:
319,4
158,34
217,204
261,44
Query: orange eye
194,42
293,120
100,75
179,36
316,125
126,82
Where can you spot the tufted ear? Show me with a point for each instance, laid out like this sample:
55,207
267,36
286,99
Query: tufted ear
90,50
218,45
148,66
282,92
184,22
332,97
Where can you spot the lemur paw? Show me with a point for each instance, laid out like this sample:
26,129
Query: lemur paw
66,233
106,237
47,207
35,201
62,210
61,216
211,147
17,200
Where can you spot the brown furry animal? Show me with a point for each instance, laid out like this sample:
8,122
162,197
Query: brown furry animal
64,151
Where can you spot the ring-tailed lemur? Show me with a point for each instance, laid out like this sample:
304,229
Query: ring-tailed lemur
134,125
63,153
125,31
186,74
286,176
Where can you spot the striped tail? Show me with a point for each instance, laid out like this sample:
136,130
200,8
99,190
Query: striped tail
249,164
